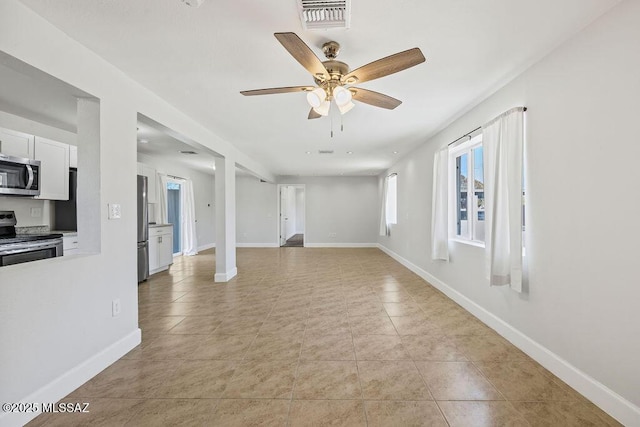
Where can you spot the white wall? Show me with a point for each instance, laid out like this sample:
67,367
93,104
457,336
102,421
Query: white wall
256,212
22,208
346,206
26,125
582,249
57,328
299,210
203,192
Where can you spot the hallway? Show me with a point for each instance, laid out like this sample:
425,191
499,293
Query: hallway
317,337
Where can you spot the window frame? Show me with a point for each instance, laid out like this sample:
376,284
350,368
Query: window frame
472,210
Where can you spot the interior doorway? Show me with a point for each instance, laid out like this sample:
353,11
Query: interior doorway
291,205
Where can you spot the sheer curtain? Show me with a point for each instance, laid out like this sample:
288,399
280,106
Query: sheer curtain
384,226
440,206
503,142
162,216
188,220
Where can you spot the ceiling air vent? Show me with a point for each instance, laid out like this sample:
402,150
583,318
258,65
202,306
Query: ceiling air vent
324,14
325,151
188,152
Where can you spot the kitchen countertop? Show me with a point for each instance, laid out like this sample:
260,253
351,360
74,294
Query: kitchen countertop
66,233
44,229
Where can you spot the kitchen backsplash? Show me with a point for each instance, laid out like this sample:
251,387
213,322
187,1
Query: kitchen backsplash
24,208
33,229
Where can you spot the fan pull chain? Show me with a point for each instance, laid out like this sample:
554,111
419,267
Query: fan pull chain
341,123
331,117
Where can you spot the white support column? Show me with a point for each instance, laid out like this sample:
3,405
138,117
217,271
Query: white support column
225,187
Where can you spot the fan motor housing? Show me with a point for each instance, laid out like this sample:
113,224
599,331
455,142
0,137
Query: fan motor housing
336,70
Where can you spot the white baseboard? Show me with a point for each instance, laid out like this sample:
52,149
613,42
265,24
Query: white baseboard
207,246
158,270
257,245
340,245
609,401
225,277
74,378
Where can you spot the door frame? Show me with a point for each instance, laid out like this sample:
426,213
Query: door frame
179,181
279,213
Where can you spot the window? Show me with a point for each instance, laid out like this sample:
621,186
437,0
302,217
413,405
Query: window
468,190
392,200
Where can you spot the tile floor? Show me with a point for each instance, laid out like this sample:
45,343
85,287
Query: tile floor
302,337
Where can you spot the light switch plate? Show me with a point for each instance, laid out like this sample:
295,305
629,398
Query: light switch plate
115,212
115,307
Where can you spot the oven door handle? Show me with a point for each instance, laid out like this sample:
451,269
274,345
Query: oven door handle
13,249
30,181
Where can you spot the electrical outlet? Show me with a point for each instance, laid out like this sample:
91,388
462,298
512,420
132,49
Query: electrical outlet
333,235
115,211
115,307
36,212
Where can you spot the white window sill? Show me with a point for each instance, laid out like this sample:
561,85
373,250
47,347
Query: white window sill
475,243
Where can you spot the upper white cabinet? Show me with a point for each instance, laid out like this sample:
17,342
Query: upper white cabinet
150,173
73,156
16,144
54,168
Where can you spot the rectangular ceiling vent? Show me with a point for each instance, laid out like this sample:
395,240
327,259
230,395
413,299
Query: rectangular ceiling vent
325,151
324,14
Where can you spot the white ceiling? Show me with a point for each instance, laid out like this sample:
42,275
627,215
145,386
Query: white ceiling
199,59
160,144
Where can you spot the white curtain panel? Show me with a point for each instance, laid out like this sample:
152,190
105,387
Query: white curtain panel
189,237
162,216
503,142
384,227
440,206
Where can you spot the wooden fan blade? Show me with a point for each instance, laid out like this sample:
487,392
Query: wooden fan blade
313,114
274,90
302,53
386,66
374,98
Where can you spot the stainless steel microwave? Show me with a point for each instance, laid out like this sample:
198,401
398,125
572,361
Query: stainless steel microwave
19,177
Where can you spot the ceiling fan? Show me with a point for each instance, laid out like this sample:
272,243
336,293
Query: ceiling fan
334,80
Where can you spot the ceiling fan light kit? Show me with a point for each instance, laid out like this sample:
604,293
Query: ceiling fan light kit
323,109
342,96
316,97
332,77
346,107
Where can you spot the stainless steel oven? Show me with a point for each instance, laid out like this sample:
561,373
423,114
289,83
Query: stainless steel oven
19,252
19,177
19,248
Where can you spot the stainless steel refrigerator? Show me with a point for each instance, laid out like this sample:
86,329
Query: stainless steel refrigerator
143,230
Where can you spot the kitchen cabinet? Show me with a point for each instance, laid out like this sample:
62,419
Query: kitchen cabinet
160,248
16,144
69,243
73,156
54,168
150,173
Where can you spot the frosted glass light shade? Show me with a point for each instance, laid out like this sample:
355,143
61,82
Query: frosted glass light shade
342,96
323,108
316,97
346,107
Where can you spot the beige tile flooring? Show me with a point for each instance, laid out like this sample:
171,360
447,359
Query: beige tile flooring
312,337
